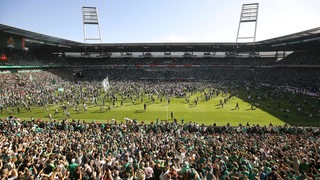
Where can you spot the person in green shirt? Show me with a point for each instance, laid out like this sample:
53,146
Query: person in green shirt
72,168
304,165
254,174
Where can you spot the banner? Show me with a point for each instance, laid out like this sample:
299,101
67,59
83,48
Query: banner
11,41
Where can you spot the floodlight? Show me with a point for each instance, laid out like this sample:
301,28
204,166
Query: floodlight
90,18
249,14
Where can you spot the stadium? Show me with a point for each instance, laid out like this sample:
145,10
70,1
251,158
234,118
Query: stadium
242,110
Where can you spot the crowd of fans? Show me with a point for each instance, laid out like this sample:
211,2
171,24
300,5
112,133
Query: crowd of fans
27,58
126,150
172,61
21,91
303,79
306,57
39,58
39,149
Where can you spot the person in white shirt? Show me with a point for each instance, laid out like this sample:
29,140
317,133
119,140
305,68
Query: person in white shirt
148,171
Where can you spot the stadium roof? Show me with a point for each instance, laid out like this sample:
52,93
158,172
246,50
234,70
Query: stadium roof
304,37
300,40
37,37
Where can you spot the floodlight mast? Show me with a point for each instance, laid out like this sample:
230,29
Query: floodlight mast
249,14
90,18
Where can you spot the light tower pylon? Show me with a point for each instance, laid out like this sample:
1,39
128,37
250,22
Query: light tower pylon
90,18
249,14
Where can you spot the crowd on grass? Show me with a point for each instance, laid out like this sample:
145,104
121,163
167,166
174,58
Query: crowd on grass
24,90
126,150
74,149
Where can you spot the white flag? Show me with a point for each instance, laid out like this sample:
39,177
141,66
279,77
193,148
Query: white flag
105,84
31,78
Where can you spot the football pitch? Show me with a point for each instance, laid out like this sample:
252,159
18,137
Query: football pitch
205,112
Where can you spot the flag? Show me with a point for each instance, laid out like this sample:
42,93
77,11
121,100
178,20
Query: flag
31,78
105,84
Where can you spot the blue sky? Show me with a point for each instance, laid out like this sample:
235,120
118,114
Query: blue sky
126,21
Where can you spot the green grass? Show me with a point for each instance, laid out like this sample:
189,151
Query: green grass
207,112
